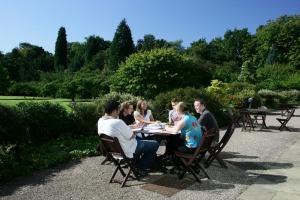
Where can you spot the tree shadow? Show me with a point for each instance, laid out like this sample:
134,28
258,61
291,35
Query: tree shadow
245,165
35,178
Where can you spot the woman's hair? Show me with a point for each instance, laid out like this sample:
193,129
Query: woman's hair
125,105
139,107
182,107
174,100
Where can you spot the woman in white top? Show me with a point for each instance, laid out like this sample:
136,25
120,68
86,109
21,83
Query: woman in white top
142,115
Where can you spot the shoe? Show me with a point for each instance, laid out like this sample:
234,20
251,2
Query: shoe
142,173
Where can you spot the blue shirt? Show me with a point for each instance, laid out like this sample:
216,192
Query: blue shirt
191,131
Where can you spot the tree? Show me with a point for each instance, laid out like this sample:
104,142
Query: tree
234,41
60,57
94,44
121,47
151,72
247,72
4,78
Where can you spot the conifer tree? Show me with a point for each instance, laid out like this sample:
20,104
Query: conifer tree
60,57
121,47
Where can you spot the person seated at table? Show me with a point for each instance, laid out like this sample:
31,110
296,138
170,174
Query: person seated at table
126,111
143,150
207,119
142,115
189,128
173,115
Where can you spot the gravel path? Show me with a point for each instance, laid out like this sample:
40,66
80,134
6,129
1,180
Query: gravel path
247,154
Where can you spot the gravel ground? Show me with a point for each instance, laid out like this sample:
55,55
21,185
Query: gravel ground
247,154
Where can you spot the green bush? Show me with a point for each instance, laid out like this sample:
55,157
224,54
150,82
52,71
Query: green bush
120,97
32,158
12,126
50,89
152,72
290,96
84,117
45,120
24,89
269,98
162,103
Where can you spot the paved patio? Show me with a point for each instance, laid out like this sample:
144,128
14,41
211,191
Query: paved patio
262,164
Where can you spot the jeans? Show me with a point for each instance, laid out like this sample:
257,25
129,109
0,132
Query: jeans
145,151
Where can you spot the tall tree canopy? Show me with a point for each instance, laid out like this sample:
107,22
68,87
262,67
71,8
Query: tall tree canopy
60,57
121,47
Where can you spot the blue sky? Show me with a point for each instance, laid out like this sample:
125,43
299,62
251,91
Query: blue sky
38,21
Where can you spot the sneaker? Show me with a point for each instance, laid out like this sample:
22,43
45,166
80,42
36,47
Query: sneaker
142,173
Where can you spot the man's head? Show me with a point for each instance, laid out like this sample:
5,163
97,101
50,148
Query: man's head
199,105
111,108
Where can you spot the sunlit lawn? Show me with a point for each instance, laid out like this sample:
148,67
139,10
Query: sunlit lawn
14,100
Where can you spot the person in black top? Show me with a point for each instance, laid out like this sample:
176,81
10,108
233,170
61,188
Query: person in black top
126,113
206,119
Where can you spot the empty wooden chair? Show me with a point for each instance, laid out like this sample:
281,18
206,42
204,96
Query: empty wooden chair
115,153
284,121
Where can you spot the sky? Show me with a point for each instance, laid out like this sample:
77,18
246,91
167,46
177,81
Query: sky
38,21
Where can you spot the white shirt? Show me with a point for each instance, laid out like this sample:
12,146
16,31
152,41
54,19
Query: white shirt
146,117
117,128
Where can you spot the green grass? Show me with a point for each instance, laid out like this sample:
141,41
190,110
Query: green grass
14,100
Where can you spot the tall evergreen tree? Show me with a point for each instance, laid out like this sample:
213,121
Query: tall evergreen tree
121,47
60,57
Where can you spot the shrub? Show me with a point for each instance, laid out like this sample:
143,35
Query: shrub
120,97
50,89
84,117
12,127
152,72
161,103
291,96
24,89
45,120
269,98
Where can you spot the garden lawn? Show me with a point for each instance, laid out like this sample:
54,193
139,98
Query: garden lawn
14,100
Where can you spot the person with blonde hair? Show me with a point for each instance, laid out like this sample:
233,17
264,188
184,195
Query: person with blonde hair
126,111
189,128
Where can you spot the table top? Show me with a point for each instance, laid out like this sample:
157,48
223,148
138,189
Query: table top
154,129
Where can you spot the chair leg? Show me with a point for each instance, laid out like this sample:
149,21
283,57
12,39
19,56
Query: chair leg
126,177
221,161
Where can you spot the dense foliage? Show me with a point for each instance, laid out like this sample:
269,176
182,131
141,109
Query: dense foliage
121,47
151,72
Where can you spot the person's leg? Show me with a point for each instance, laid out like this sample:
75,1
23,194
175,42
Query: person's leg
147,150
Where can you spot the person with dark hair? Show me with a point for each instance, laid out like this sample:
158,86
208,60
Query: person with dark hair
173,115
126,113
143,115
206,119
143,150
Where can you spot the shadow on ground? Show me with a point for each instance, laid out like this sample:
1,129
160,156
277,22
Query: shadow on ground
36,178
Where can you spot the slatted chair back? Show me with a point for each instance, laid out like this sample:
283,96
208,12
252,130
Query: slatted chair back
214,151
190,161
114,151
284,122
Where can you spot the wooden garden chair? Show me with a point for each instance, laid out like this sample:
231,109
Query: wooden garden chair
284,121
216,150
191,161
115,153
